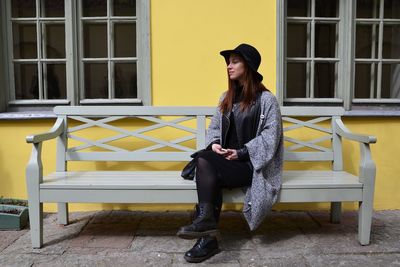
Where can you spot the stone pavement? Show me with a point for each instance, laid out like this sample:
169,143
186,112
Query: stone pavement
131,238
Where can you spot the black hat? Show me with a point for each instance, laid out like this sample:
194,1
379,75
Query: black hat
250,55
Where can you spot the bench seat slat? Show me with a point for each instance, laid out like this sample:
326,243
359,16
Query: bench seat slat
172,180
190,196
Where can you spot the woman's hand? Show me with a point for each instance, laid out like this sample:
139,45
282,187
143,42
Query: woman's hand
231,154
217,148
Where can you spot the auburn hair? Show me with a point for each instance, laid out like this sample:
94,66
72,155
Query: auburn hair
251,87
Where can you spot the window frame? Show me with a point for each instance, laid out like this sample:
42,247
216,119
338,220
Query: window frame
346,68
3,69
282,59
39,57
72,61
380,21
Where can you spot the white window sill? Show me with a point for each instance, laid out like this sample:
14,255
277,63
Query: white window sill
372,113
27,115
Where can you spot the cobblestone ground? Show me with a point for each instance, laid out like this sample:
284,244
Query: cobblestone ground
130,238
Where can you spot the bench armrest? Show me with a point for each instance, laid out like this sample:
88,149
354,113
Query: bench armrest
346,133
34,169
53,133
367,168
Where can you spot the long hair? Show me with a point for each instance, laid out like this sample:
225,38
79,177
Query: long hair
251,87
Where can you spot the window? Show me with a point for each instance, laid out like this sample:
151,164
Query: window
77,52
337,52
312,49
377,51
38,50
109,70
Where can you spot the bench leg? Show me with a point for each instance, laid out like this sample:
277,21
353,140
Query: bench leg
367,176
364,222
62,209
36,223
336,212
33,179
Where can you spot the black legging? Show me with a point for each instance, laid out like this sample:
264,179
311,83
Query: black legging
214,172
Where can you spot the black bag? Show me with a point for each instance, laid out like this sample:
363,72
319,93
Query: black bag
189,170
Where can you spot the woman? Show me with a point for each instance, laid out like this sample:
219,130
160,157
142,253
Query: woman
244,148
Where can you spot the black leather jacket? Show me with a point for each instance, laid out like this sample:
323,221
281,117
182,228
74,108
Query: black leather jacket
246,123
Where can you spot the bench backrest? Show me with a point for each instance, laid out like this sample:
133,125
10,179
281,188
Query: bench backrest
174,133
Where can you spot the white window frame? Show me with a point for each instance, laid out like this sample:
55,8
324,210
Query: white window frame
346,57
39,57
3,69
378,60
72,60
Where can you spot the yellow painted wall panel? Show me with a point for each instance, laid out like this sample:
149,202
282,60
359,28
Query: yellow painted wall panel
187,36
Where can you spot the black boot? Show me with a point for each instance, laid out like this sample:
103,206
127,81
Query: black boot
205,223
217,212
204,248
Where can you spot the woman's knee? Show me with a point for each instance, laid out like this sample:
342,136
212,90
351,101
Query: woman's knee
203,162
205,170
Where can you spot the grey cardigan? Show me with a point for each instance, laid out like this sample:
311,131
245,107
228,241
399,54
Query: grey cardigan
266,156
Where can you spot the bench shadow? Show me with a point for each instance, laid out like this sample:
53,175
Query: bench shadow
234,232
65,237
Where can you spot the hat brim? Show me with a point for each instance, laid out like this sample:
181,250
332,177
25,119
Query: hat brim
226,54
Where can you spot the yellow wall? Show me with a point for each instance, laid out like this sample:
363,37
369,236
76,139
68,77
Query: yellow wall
186,37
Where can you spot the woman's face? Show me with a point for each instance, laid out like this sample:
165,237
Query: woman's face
236,67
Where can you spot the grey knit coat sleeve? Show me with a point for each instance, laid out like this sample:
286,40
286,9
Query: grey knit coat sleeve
266,156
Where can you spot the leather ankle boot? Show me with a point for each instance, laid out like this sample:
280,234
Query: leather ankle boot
204,224
204,248
217,212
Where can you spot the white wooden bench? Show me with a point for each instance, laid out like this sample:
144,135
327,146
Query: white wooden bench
324,146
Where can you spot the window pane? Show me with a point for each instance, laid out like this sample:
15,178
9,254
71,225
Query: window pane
367,41
325,40
26,81
367,8
124,7
94,8
391,41
325,80
95,40
125,80
125,40
54,77
23,8
55,37
390,81
326,8
296,80
296,40
392,9
24,41
297,8
53,8
365,80
96,80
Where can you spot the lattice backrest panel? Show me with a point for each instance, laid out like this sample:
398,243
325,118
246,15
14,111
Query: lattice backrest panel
174,133
308,138
307,135
135,133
